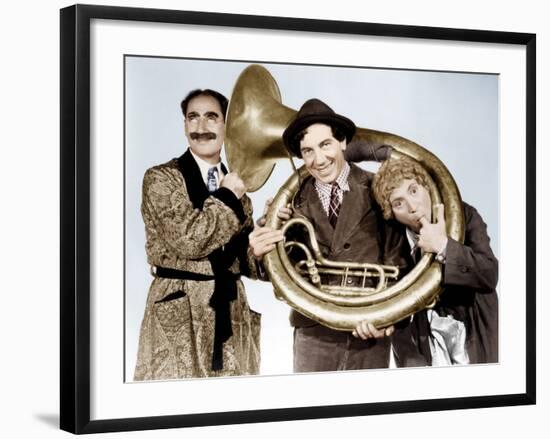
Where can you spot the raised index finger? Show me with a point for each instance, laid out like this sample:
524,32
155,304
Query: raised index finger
423,221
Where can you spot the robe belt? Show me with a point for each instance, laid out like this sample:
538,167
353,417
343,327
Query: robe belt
225,291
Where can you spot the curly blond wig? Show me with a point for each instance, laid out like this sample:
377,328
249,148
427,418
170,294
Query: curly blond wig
390,175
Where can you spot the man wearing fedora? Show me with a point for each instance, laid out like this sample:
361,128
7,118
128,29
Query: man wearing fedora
349,226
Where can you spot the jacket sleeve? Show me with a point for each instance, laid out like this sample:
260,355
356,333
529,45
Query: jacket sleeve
366,150
473,263
254,269
191,233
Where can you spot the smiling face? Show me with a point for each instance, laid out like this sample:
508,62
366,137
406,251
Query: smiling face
323,155
205,127
409,202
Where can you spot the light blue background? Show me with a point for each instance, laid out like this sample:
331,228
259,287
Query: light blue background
454,115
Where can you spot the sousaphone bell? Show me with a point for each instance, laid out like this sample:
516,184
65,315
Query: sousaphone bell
255,123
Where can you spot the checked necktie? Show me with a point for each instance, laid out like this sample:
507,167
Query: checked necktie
211,182
334,206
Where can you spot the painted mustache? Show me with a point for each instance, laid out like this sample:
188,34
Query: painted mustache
202,136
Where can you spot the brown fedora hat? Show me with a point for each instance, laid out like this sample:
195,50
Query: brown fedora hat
315,111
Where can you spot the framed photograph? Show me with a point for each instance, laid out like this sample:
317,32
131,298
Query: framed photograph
466,96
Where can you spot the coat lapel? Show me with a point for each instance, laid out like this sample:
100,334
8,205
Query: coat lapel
194,183
355,205
225,284
310,206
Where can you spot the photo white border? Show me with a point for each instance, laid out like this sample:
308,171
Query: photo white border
111,398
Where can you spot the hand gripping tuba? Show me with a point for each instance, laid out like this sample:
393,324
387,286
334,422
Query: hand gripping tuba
256,120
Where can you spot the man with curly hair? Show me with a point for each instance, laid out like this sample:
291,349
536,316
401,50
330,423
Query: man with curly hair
462,328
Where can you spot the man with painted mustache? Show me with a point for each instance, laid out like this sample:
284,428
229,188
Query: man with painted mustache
197,322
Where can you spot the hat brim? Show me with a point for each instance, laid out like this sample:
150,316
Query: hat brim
303,122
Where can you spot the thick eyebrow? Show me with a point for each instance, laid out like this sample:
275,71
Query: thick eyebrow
322,142
207,114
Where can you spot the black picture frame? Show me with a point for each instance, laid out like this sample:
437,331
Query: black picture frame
75,217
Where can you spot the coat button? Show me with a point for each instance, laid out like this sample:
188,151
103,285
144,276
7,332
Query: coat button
347,245
464,269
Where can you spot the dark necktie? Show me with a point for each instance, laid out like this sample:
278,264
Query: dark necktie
334,206
211,182
417,254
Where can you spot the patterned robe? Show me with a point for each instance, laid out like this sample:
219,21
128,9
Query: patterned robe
177,331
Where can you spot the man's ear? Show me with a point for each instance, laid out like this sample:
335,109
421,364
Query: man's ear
343,144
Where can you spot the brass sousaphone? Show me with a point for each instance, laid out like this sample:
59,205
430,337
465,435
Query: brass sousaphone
255,123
